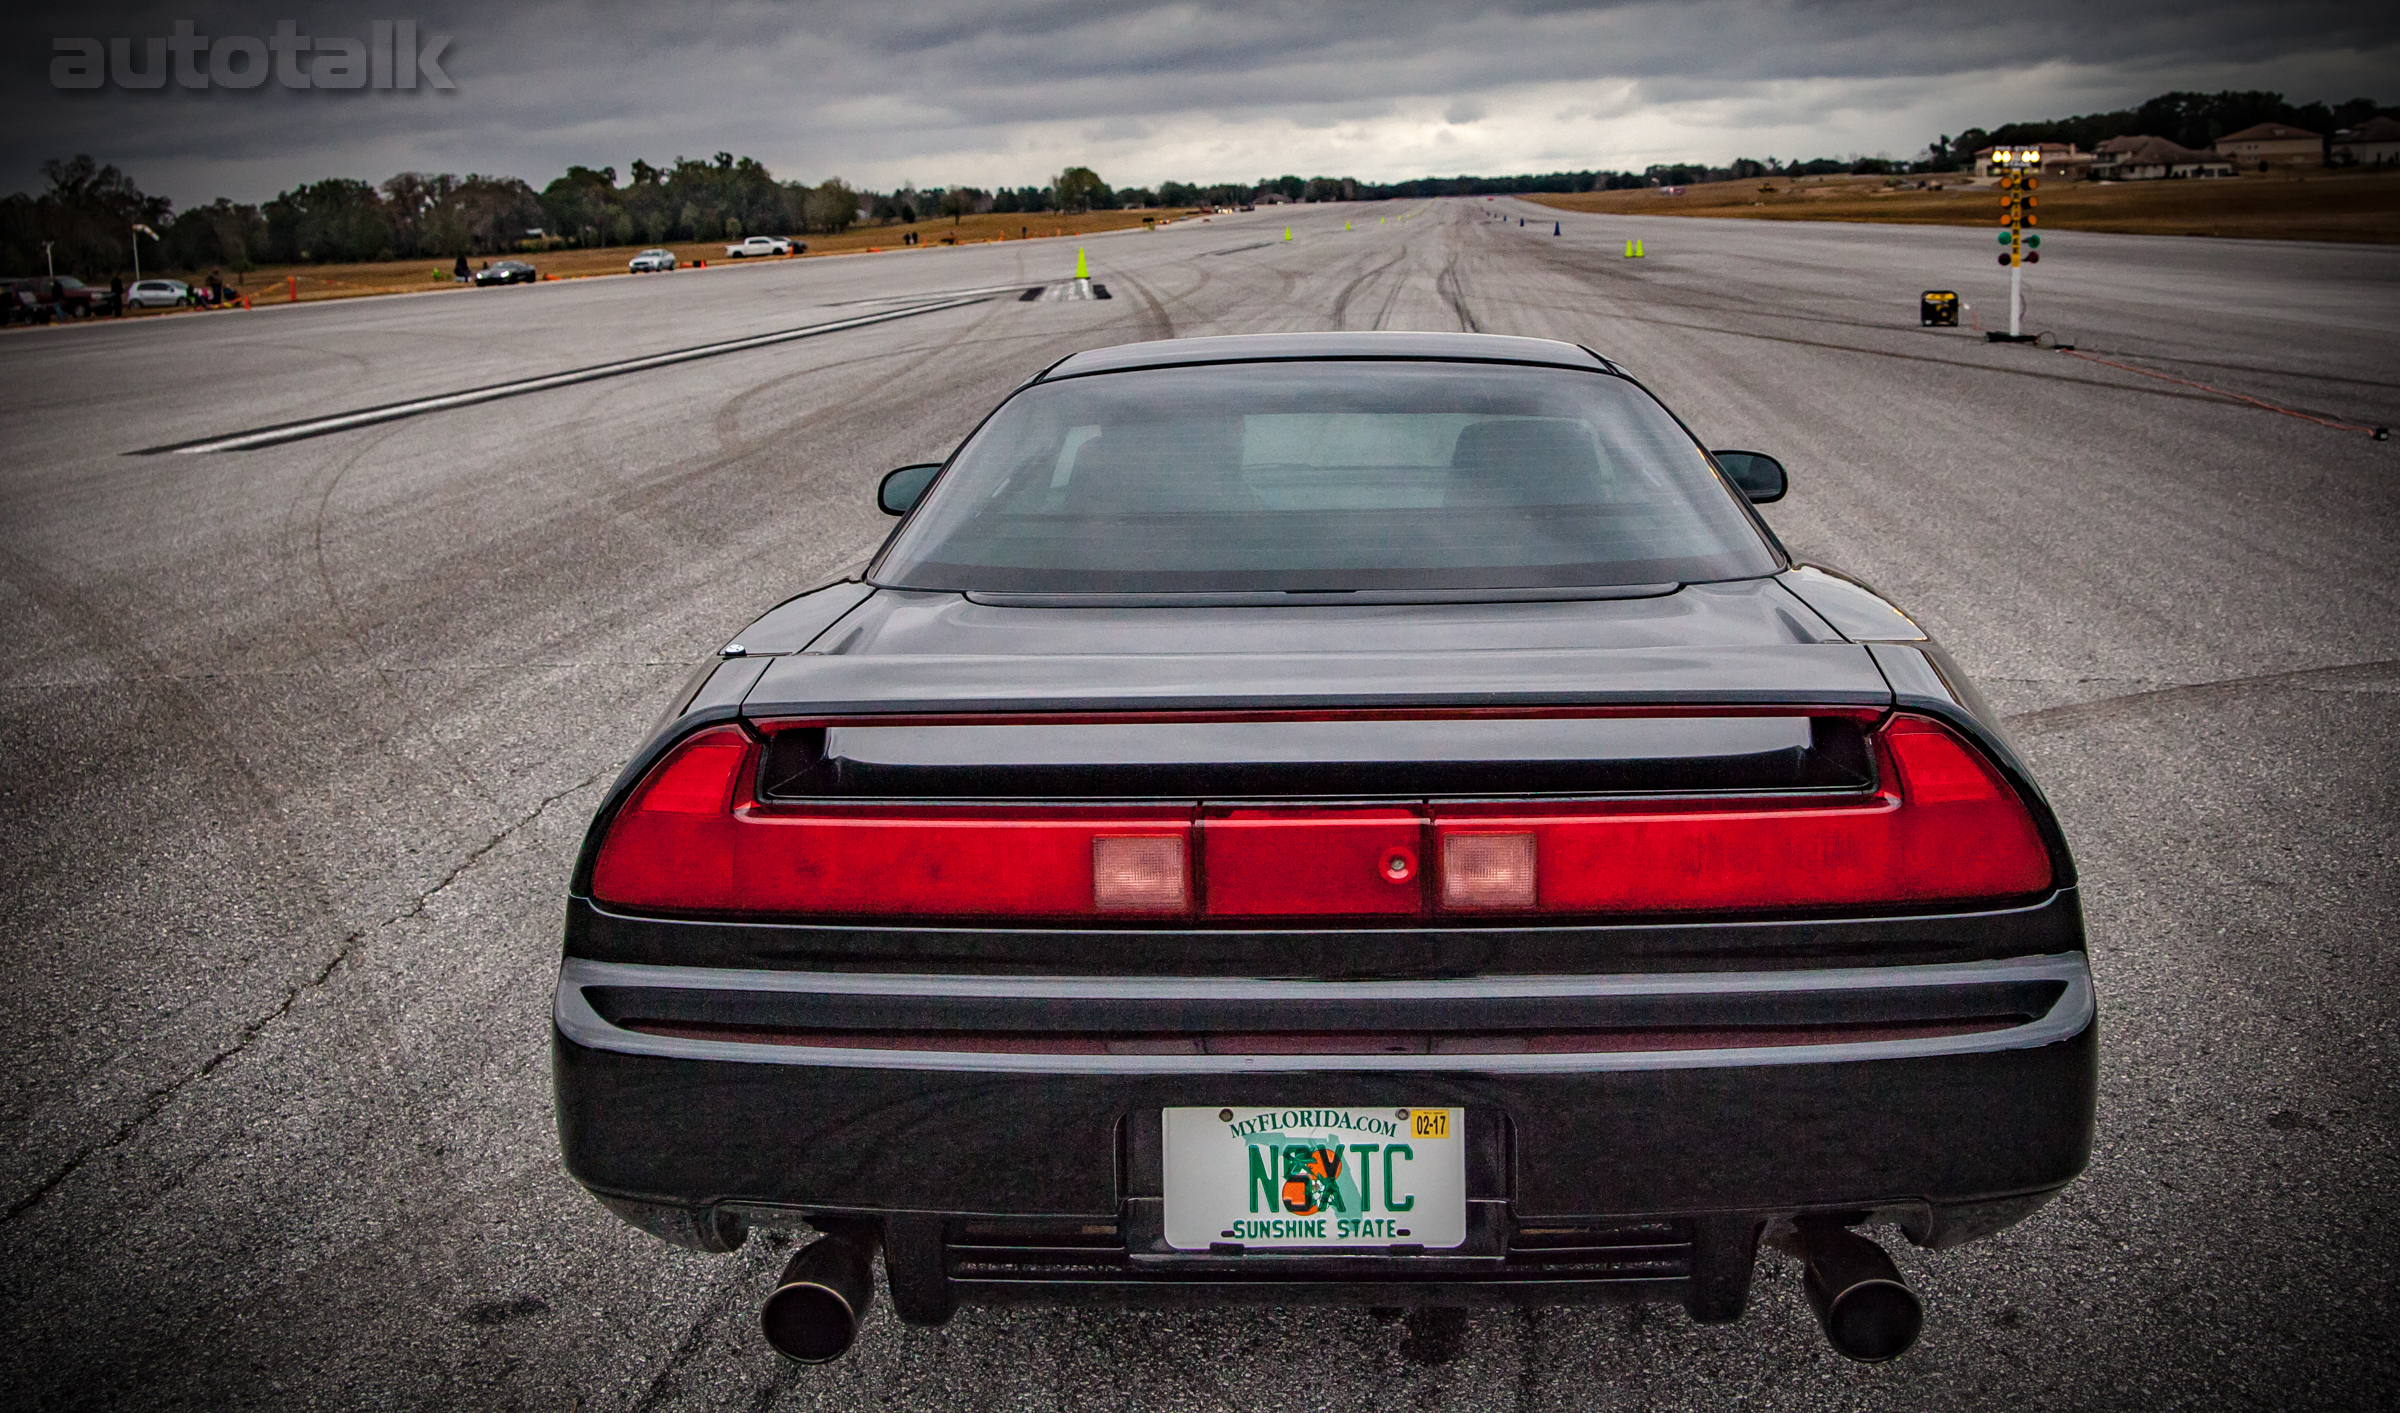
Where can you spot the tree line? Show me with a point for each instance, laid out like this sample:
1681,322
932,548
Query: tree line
87,213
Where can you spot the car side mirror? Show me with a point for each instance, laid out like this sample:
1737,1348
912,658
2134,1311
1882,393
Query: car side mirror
1760,476
902,489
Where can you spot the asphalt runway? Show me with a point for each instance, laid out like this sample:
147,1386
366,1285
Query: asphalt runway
300,741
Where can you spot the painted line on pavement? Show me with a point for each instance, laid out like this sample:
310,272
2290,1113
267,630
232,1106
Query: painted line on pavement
414,407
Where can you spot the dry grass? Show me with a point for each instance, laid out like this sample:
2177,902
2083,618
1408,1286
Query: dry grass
277,284
2316,205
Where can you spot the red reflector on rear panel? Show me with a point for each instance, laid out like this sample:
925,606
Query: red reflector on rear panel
1487,871
1305,862
1140,873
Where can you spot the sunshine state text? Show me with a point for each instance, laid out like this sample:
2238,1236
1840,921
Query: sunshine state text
1315,1228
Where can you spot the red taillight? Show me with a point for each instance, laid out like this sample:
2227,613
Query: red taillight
1943,826
1964,833
1012,863
693,838
674,843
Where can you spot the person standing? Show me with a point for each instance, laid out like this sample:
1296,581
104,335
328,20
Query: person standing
459,271
116,295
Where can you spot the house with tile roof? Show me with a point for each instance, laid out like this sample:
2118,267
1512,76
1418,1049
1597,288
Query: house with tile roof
2273,145
2374,143
2142,159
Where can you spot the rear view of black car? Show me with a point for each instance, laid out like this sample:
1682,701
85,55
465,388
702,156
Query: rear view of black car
1302,818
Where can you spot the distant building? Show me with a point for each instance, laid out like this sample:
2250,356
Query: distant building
2143,159
2059,159
2273,145
2375,143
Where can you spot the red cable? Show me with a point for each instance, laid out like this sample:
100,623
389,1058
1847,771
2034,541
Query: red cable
2376,432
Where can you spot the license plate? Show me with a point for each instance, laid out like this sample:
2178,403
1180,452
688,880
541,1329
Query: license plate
1315,1177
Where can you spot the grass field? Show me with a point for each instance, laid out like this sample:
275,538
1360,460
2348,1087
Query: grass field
277,284
2316,205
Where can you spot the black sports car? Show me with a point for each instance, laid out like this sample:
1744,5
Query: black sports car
1355,817
508,272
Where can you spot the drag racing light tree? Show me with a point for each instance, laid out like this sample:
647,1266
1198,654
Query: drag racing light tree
2018,166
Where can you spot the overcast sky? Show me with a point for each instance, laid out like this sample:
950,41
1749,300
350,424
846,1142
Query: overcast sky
1007,92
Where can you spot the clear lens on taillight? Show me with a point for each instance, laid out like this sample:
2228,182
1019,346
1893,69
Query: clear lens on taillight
1487,871
1143,873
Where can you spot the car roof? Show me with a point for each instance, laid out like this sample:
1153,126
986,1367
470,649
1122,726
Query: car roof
1260,348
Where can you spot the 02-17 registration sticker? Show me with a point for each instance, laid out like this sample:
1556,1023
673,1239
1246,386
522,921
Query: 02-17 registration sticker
1315,1177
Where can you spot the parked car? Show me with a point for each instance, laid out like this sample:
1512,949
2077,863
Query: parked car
507,272
157,294
26,301
1327,817
651,260
762,245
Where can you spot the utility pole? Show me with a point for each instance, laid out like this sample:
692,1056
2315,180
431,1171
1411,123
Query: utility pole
2018,181
49,266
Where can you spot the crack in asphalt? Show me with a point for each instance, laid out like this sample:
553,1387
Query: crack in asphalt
157,1100
688,1347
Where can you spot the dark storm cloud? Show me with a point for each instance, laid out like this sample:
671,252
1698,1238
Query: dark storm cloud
991,92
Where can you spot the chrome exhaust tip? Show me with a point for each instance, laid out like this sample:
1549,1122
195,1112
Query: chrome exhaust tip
1868,1311
812,1314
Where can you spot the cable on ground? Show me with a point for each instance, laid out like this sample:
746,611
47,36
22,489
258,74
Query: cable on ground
2378,433
2381,434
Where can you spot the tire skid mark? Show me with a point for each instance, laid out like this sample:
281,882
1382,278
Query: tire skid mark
1448,283
1391,295
1341,302
2378,677
385,681
633,506
1157,312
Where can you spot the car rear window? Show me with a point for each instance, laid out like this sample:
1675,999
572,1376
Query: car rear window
1358,475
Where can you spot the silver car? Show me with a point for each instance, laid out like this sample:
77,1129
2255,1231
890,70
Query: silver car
650,260
157,294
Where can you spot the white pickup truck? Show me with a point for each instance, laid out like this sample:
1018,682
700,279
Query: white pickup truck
759,245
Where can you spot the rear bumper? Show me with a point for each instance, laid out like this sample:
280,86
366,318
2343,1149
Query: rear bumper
1007,1171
